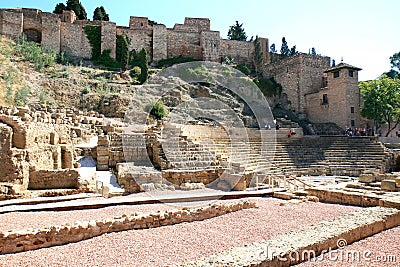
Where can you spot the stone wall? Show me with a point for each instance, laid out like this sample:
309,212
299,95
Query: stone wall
74,40
6,133
53,179
117,147
40,140
342,100
202,24
63,32
210,43
186,44
239,51
139,23
299,75
160,43
14,242
11,23
108,41
51,27
140,38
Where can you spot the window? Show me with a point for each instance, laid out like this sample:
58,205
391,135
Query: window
325,99
353,123
351,73
352,110
336,74
141,24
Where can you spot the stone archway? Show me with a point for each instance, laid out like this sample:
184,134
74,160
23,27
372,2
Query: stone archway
33,35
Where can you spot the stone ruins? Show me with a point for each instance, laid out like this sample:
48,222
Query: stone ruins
66,154
312,88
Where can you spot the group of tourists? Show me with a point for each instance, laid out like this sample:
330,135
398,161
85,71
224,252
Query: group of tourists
359,132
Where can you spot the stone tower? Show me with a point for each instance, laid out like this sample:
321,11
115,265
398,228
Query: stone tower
339,100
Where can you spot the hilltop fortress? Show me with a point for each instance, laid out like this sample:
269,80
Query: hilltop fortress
312,88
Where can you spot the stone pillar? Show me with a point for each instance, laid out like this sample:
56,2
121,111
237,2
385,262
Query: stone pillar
160,48
108,37
51,37
11,24
103,148
265,50
210,46
67,157
6,133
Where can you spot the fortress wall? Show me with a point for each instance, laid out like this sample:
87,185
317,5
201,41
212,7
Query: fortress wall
160,43
51,27
210,43
202,24
108,37
139,38
74,41
139,23
32,19
11,23
299,75
185,28
186,44
240,51
265,50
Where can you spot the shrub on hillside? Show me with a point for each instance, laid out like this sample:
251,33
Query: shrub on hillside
40,57
156,109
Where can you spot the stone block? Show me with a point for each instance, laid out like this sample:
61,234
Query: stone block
397,182
388,185
367,178
284,195
102,167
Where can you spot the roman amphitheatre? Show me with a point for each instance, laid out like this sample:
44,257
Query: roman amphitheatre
201,165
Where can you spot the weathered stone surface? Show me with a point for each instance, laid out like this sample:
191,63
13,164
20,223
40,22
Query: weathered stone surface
397,182
281,250
367,178
388,185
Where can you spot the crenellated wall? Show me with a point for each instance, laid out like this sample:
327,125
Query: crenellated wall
194,38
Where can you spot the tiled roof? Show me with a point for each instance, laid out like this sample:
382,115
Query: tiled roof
342,66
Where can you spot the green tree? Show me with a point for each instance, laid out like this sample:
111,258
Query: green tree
313,52
100,14
60,7
272,49
382,102
258,54
395,61
122,53
77,7
236,32
97,14
284,48
293,51
140,60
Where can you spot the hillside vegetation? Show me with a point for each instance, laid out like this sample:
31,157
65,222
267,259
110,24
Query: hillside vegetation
30,75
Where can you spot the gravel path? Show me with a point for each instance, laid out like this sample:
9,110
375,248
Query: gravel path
183,242
384,249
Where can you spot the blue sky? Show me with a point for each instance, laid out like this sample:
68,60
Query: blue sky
363,32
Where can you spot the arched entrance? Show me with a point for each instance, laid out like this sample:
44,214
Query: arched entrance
33,36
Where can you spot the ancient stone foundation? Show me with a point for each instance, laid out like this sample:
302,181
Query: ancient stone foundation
19,241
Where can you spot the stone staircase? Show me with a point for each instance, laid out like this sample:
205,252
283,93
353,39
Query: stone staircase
202,147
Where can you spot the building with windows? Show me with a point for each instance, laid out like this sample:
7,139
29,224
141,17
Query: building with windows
315,90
